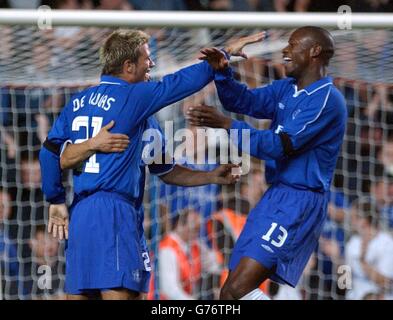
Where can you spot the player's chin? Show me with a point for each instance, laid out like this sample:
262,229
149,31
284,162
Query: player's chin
289,71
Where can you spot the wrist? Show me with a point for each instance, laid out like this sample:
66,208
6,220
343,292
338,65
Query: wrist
227,123
91,145
228,52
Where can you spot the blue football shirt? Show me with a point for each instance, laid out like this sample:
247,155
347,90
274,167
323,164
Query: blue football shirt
313,120
129,105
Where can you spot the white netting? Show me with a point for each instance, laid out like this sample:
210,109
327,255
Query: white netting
39,72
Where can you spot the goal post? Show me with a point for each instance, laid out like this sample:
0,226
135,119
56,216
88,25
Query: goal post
187,19
47,55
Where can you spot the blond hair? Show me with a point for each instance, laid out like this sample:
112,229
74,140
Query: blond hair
120,46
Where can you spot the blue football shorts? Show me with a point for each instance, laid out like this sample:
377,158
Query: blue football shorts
282,231
106,248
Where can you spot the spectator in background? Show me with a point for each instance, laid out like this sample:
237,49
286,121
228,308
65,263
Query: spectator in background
9,266
369,253
183,259
165,5
202,198
382,194
45,262
386,155
115,5
22,112
23,4
371,5
330,253
30,210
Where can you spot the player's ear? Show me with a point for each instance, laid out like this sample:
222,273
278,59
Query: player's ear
315,51
128,66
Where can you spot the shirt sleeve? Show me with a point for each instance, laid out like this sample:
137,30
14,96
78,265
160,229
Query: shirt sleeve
259,103
51,174
295,134
261,144
169,276
322,111
155,95
49,157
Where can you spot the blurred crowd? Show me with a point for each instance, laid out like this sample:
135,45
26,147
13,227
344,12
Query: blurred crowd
191,231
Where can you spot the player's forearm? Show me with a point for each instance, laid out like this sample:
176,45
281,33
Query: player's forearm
182,176
234,96
75,154
237,97
261,144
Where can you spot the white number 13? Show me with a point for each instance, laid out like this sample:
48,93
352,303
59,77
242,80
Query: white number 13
282,237
92,166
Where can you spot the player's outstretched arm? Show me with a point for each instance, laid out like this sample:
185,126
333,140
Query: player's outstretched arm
104,141
234,96
182,176
262,144
207,116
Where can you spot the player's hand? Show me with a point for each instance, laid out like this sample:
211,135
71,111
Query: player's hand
58,221
108,142
235,47
226,174
207,116
216,58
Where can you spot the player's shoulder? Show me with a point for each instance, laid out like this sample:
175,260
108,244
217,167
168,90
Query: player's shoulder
336,101
152,122
284,83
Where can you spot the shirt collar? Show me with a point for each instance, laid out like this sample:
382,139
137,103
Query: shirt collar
313,87
105,79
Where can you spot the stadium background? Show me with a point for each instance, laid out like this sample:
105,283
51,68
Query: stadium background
41,69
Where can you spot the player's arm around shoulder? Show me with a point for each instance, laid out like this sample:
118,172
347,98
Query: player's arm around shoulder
104,141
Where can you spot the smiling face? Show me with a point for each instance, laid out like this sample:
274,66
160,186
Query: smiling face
309,49
144,64
296,54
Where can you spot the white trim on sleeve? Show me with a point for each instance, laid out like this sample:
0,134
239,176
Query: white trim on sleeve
65,144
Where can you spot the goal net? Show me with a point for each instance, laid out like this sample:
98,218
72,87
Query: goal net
40,70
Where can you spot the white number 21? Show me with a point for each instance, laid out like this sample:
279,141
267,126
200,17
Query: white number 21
92,166
281,238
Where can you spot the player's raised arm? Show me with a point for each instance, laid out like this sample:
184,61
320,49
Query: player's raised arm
234,96
155,95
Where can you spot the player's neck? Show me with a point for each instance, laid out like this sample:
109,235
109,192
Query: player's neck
310,76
